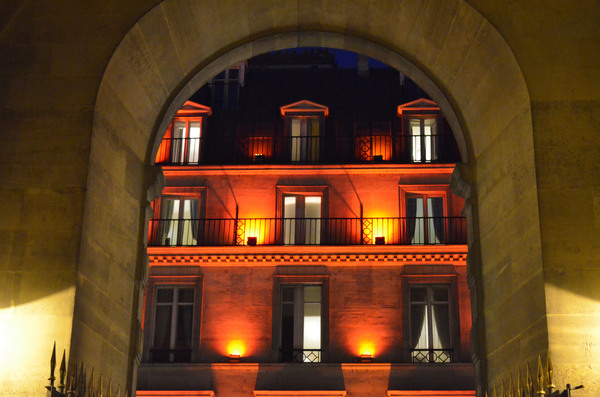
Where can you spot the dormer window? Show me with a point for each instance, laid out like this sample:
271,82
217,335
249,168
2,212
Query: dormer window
304,125
182,142
421,132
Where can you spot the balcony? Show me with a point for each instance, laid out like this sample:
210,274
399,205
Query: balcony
308,231
385,148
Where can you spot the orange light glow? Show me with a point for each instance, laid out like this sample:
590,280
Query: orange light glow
366,349
236,348
258,228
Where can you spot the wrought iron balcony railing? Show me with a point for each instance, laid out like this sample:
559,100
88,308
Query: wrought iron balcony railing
170,355
300,355
402,149
307,231
439,356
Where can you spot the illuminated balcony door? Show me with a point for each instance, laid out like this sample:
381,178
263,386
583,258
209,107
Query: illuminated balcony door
301,323
179,221
425,219
302,220
304,137
423,140
185,147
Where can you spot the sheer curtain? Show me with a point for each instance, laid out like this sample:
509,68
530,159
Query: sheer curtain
437,212
411,212
166,219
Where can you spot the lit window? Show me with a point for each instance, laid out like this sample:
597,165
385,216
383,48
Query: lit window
425,219
304,139
301,323
173,319
182,142
185,146
178,223
304,124
301,220
423,134
430,336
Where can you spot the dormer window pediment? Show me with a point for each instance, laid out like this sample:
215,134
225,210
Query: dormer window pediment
304,108
193,109
421,105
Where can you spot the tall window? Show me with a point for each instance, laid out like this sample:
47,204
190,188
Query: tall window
425,219
185,146
303,127
178,221
300,323
173,318
225,89
430,336
301,220
423,134
304,139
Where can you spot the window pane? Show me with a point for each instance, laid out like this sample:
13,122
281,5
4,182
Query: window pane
289,225
312,317
162,327
186,295
287,294
193,147
418,294
418,327
164,295
312,293
440,327
440,294
184,327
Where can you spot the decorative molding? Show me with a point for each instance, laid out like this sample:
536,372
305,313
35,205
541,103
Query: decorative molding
174,393
455,258
431,393
298,393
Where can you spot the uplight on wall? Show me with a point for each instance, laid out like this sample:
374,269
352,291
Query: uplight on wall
235,351
366,358
251,241
380,240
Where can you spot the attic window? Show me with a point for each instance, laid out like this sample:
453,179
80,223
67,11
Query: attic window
304,123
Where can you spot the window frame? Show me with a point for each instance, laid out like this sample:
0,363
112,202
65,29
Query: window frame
306,191
165,280
424,191
177,193
282,280
450,280
186,140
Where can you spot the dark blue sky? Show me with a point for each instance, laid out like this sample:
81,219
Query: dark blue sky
347,60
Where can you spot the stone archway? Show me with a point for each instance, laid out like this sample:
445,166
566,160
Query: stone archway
447,47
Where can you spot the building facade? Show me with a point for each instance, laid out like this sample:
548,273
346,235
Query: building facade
307,241
89,88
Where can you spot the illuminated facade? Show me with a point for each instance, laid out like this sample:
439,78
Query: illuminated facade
307,244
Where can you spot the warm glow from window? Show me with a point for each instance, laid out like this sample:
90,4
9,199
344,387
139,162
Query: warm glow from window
236,348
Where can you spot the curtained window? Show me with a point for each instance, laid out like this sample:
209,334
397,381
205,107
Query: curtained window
186,141
423,140
430,336
179,221
425,219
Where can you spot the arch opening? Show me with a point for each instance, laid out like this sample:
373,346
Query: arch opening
127,125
